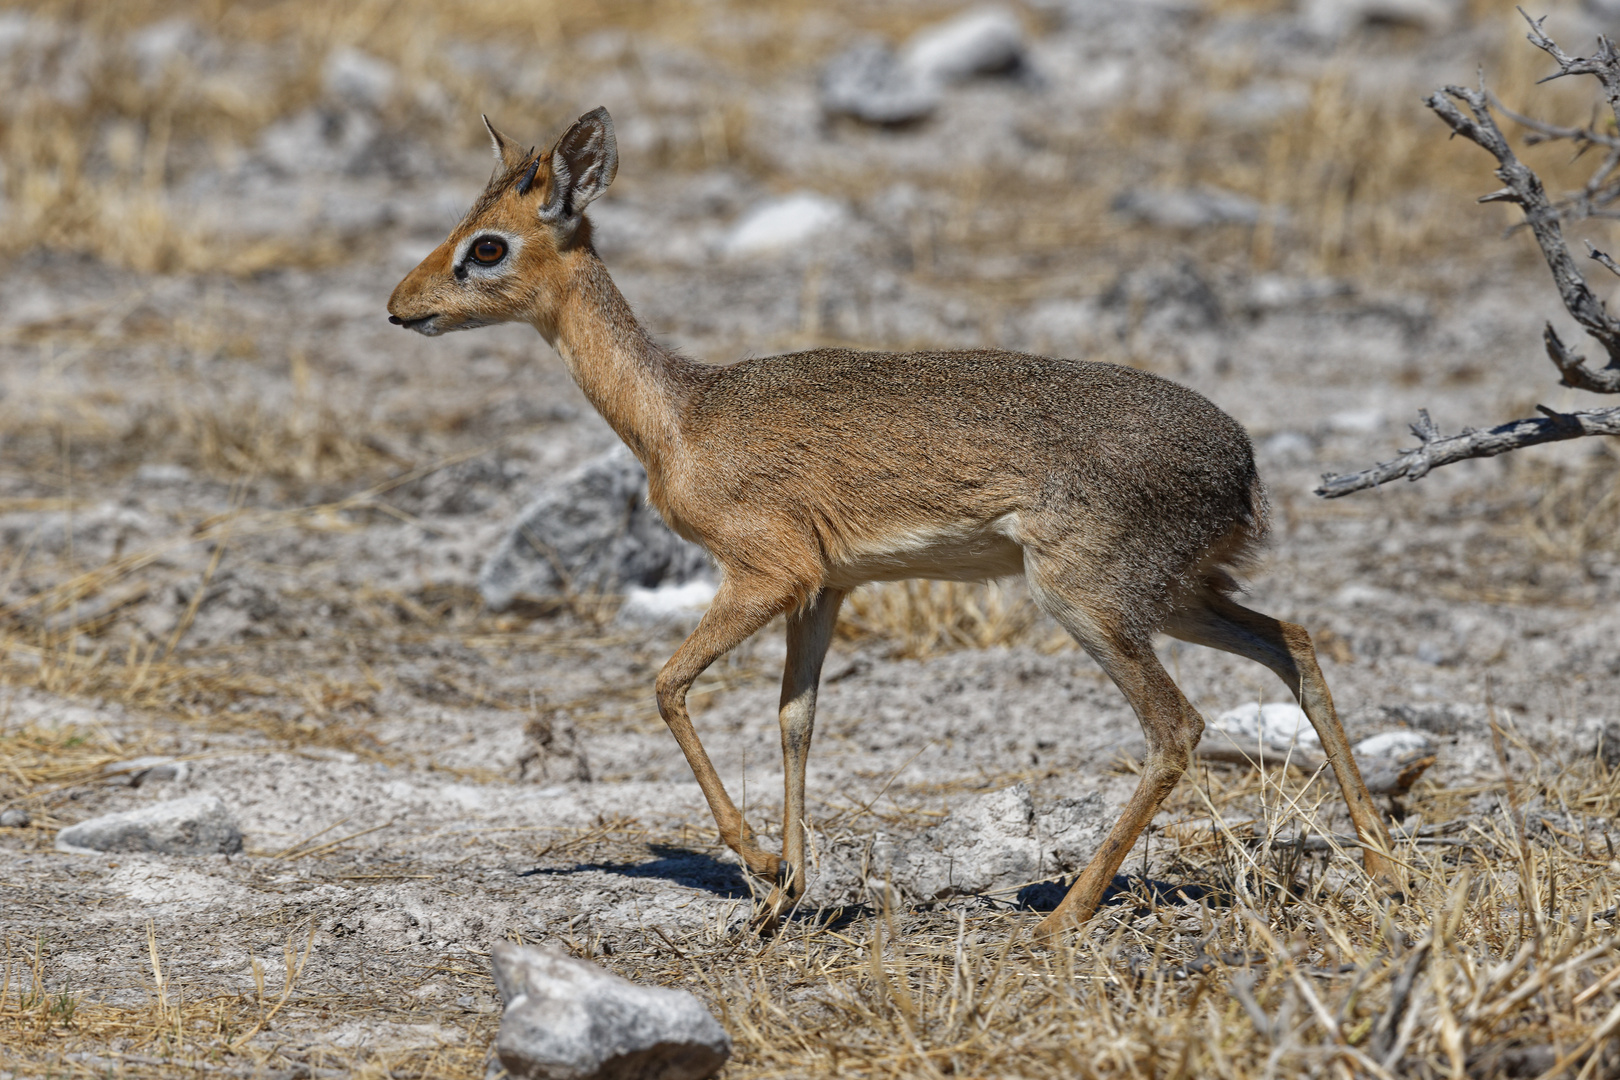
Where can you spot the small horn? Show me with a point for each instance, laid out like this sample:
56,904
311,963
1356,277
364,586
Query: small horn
527,181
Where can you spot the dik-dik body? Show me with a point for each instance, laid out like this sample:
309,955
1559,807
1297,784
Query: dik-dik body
1126,500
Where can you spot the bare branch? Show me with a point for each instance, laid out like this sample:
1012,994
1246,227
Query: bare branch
1554,132
1545,221
1604,65
1524,188
1602,257
1572,366
1437,450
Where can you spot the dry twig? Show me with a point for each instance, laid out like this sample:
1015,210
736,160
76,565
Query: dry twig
1524,189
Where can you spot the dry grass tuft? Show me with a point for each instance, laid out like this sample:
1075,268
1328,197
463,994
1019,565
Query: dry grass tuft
1503,961
924,618
96,152
1573,512
173,1035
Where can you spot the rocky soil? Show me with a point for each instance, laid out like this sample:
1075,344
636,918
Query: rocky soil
277,507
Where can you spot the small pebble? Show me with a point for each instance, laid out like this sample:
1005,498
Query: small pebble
14,819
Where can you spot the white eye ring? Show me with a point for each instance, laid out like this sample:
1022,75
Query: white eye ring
467,260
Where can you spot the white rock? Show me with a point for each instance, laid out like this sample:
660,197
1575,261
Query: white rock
318,142
358,77
984,42
784,223
16,30
1272,292
1393,744
995,843
1278,725
1356,594
1334,17
14,819
868,82
1189,208
1357,421
1287,446
1391,762
163,474
567,1019
157,45
668,603
1061,324
143,770
1259,103
196,825
590,530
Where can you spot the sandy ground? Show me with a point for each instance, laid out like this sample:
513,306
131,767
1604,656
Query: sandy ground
339,682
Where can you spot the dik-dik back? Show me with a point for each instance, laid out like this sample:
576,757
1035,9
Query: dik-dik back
855,451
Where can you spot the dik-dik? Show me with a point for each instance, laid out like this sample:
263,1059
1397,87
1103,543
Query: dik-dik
1126,500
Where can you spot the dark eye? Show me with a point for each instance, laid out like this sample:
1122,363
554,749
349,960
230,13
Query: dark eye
489,250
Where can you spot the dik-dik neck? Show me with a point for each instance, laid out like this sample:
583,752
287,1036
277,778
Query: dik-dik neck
638,387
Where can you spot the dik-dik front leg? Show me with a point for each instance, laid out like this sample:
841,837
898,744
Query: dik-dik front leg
740,607
809,632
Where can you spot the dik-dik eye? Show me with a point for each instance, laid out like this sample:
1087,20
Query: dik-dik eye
488,250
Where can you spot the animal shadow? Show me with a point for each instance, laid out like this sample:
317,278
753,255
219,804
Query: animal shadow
693,869
1144,892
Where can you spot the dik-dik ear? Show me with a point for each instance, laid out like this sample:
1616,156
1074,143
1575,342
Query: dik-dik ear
583,164
510,153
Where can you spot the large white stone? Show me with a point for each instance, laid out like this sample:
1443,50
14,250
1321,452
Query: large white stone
667,604
1279,726
784,223
195,825
995,843
358,77
567,1019
1391,762
590,531
1334,17
868,82
984,42
1188,208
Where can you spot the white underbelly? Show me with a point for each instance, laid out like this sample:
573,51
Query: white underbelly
961,552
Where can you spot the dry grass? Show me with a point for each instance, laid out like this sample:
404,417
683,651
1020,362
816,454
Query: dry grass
94,144
1573,512
172,1035
94,151
1503,961
923,618
1505,950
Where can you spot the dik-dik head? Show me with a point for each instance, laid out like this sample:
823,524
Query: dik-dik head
509,259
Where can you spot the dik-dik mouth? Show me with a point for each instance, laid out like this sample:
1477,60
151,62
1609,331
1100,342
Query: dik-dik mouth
422,325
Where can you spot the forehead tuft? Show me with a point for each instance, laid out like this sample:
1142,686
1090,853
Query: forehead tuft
506,180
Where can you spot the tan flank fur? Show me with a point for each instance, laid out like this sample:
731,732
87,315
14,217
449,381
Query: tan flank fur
1125,499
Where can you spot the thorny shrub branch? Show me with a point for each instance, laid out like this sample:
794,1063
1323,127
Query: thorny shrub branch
1524,189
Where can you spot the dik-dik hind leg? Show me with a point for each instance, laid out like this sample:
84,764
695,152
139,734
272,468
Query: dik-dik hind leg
1172,727
739,609
809,632
1286,649
1169,722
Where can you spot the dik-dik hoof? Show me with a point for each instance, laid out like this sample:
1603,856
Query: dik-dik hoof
763,865
1053,929
767,917
1390,887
